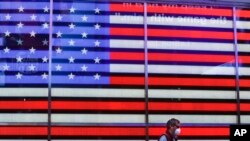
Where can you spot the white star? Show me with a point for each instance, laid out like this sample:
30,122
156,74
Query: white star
19,59
33,17
97,11
46,9
84,18
97,26
19,42
72,26
97,43
59,17
19,75
6,67
6,50
45,59
58,50
32,67
7,17
44,76
84,35
84,51
97,60
21,9
71,76
58,67
59,34
7,33
71,59
72,10
97,76
45,26
32,50
45,42
71,42
32,33
84,68
20,25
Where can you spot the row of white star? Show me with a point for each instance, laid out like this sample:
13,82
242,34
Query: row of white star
32,50
20,42
70,76
58,50
71,59
84,34
72,9
33,17
46,26
32,33
33,68
72,43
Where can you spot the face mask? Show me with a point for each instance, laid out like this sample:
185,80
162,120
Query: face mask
177,131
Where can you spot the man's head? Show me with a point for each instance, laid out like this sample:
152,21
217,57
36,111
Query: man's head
173,127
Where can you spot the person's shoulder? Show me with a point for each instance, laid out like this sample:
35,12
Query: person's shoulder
163,138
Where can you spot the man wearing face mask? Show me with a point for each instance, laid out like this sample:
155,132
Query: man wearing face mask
173,130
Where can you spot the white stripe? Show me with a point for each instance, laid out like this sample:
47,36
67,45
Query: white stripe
27,92
127,68
244,47
181,45
245,95
189,21
126,19
133,44
202,119
245,119
98,118
182,69
243,24
34,118
191,94
244,70
95,92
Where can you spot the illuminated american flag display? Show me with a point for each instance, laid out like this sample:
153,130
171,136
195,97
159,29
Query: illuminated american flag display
98,70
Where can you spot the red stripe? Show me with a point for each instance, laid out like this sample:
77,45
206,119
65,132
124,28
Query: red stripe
127,56
245,107
98,131
243,36
22,105
192,106
190,34
98,105
120,80
174,57
245,83
194,131
244,59
189,10
127,7
127,31
23,131
243,13
172,33
139,56
190,57
161,81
